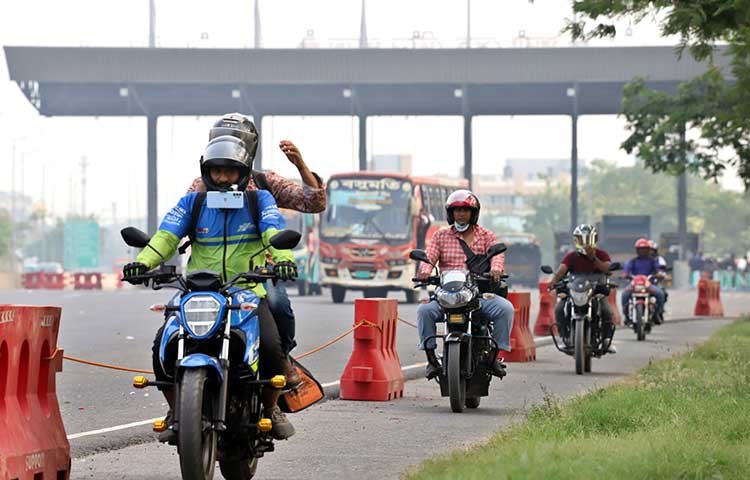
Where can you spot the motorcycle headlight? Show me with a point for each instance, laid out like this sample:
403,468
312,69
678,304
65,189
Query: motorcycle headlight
580,298
455,299
640,289
201,313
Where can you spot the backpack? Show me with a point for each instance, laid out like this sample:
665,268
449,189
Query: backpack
478,264
252,206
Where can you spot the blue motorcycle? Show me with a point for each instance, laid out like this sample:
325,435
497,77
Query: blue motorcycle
215,326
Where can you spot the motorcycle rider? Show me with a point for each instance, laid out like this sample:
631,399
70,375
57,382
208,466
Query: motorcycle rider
586,258
643,264
444,248
310,197
226,162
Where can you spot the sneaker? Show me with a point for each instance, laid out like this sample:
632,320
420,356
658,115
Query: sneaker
168,436
498,368
611,348
282,427
431,371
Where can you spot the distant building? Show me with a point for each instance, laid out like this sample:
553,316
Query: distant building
390,163
505,196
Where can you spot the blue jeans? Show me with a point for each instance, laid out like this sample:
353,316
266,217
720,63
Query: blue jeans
498,310
281,308
652,290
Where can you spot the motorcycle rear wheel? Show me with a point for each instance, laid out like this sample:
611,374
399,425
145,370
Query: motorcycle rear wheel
239,470
473,402
196,441
456,382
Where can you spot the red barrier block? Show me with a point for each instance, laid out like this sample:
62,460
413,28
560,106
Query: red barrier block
33,444
546,317
87,281
54,281
616,317
522,344
374,370
33,280
708,303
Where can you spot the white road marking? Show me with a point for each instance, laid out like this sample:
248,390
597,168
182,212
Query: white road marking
113,429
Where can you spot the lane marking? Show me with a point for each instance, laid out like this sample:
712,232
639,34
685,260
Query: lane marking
113,429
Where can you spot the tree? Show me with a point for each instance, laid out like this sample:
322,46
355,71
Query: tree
551,214
715,105
721,217
5,232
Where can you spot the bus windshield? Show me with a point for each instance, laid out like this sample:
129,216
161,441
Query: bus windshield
375,208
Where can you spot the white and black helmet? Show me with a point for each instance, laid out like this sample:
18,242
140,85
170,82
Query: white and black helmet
236,125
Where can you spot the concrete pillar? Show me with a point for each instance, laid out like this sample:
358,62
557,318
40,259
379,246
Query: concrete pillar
151,185
574,160
362,142
468,161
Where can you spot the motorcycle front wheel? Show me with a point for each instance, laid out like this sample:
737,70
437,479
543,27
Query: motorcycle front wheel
456,382
196,440
580,347
640,322
239,470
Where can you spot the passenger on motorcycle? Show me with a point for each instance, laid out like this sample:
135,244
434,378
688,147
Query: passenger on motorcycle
310,197
643,264
586,258
445,250
224,241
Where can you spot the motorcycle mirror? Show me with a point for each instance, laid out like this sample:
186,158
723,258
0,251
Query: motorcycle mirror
285,240
547,269
134,237
420,255
496,249
615,266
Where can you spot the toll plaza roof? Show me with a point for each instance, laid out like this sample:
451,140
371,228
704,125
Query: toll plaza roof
83,81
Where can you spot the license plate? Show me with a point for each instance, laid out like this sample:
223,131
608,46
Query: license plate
455,318
361,274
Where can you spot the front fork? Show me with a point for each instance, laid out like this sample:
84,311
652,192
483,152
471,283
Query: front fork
219,424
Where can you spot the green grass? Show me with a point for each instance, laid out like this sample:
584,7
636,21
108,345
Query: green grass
682,418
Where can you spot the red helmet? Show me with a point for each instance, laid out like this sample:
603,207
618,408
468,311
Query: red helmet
642,243
462,198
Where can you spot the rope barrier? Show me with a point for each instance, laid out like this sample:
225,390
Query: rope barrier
363,323
407,322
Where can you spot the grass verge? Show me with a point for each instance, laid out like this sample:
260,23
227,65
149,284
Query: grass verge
683,418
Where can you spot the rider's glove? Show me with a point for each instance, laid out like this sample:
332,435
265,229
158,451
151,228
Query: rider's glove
133,269
285,271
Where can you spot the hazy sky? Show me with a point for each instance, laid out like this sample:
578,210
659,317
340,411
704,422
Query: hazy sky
49,150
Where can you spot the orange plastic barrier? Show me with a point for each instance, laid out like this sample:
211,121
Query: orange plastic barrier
374,370
522,344
709,299
616,317
87,281
546,317
33,444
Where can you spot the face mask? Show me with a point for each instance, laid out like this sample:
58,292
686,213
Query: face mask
461,227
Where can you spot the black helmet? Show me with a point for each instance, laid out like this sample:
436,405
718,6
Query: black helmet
236,125
462,198
226,151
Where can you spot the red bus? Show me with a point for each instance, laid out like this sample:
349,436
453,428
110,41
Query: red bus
372,222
